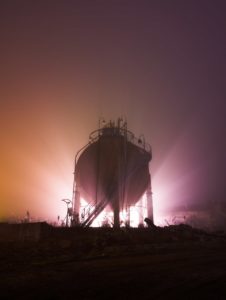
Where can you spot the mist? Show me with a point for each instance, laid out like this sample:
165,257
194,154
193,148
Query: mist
65,64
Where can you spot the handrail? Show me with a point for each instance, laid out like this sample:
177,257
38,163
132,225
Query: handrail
97,210
141,143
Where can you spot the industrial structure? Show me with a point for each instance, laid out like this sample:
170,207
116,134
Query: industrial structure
112,174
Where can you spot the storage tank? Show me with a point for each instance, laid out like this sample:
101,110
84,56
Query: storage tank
111,171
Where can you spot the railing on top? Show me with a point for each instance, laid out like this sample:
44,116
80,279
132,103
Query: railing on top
119,131
111,129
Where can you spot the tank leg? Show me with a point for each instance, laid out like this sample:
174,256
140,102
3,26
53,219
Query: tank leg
116,214
149,202
141,212
76,208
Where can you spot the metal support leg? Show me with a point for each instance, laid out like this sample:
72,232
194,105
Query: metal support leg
149,202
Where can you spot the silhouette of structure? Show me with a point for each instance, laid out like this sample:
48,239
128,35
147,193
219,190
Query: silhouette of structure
111,173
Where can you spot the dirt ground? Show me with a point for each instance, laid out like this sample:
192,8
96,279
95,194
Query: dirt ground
175,263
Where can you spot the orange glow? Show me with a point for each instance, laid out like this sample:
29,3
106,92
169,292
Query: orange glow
36,167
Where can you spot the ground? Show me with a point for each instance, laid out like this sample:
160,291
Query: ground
172,263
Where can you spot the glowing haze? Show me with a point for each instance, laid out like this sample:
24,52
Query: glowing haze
161,64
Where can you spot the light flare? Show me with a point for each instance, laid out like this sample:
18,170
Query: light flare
137,213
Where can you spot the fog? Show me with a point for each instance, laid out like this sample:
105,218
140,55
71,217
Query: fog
159,64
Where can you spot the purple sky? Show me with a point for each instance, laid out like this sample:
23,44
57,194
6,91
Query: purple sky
63,64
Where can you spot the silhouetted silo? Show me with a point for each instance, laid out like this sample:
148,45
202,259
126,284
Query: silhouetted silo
112,171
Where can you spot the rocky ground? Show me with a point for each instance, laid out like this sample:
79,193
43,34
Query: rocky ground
163,263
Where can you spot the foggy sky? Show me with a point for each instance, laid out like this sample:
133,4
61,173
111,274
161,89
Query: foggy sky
64,64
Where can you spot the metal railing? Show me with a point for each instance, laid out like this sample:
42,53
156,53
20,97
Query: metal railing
115,131
96,210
